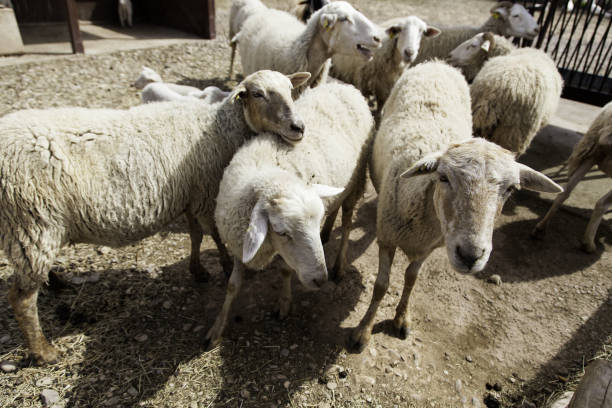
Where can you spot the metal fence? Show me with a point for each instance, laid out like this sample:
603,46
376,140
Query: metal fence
575,35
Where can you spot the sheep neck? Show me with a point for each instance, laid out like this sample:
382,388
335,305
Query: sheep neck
494,25
314,48
227,113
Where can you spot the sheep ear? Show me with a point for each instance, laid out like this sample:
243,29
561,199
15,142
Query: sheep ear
426,165
255,234
323,190
432,32
393,30
328,20
536,181
501,10
239,92
299,78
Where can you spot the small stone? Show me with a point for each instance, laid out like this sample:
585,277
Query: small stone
394,356
369,399
469,358
373,352
8,366
367,379
132,391
94,277
497,387
193,404
245,394
112,401
475,402
187,326
44,382
167,304
445,372
78,280
458,385
512,380
293,347
197,328
284,353
103,250
49,397
332,385
5,339
286,384
141,338
496,279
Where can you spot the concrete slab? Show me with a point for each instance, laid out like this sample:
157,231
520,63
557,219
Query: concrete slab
9,32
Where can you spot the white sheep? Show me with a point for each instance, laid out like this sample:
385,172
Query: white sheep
595,148
514,95
507,19
399,48
274,39
239,12
471,55
124,8
112,177
146,76
305,8
437,186
164,92
270,197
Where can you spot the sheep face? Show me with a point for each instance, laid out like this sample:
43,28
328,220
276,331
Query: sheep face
470,55
147,75
517,20
474,180
292,220
347,31
409,32
268,105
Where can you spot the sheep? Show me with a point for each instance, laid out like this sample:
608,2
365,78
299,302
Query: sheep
272,198
399,47
507,19
274,39
124,8
239,12
514,96
437,186
112,177
305,8
471,55
146,76
595,148
163,92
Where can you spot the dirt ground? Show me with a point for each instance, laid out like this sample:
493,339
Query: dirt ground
131,324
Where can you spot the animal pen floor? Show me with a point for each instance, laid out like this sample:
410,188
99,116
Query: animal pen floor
131,325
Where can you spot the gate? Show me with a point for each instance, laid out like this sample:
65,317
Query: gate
575,35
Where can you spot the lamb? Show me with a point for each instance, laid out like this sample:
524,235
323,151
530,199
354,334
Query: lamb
513,95
163,92
304,8
400,47
124,8
595,148
112,177
239,12
437,186
269,201
471,55
507,19
146,76
274,39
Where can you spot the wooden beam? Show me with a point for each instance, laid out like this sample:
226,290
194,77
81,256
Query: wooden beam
73,27
209,23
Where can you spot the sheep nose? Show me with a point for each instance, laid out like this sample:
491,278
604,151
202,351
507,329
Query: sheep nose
298,127
376,39
407,55
536,30
468,259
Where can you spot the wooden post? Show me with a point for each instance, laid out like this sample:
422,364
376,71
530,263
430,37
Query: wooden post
209,23
73,27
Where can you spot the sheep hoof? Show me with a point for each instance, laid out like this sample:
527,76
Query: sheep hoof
46,355
228,266
538,233
56,282
588,247
200,274
357,342
210,344
402,332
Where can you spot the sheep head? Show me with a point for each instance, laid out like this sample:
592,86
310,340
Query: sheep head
474,179
470,56
268,105
290,218
147,76
346,31
515,20
409,31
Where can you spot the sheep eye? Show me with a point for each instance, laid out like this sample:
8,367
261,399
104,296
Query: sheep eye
443,178
285,235
258,95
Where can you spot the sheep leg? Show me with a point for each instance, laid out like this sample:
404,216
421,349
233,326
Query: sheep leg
24,305
225,259
284,299
337,272
581,171
233,43
328,226
213,337
362,333
195,233
402,317
588,241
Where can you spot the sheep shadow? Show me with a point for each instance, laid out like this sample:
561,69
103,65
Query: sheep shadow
224,84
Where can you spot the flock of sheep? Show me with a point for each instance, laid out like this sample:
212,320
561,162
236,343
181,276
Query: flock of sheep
265,168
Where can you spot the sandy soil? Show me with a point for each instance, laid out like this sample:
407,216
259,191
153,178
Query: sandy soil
131,333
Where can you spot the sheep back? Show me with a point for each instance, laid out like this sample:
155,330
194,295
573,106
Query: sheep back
514,96
595,143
